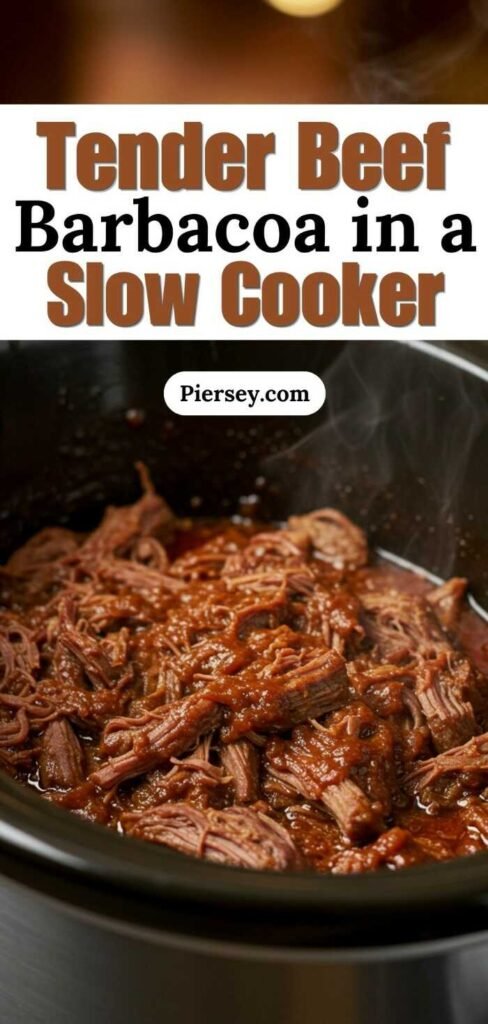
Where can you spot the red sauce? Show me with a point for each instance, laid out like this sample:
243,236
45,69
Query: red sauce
262,697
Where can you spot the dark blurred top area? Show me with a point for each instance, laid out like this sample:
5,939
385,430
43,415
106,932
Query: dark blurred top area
165,51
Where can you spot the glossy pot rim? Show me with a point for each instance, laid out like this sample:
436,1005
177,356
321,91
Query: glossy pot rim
35,832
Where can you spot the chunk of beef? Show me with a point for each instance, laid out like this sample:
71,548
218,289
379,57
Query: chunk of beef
267,551
168,673
122,528
193,778
291,582
206,562
315,833
91,657
469,759
363,745
149,552
155,738
357,817
405,629
441,690
61,759
394,848
335,617
328,766
447,601
475,818
388,689
278,701
91,708
337,541
153,587
268,613
273,695
208,609
38,567
402,625
415,733
104,611
237,836
136,578
240,760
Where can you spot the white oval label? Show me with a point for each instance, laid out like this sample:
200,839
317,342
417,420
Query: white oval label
244,393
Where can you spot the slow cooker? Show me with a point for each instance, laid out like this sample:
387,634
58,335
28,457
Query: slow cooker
98,928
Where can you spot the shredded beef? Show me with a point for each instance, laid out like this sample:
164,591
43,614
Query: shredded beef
447,601
237,836
61,757
241,761
155,738
441,691
471,758
346,769
266,698
338,541
394,849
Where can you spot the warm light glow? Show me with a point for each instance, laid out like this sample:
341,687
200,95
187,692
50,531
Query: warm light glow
304,8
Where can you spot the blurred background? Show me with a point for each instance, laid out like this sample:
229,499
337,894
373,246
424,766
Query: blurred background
243,51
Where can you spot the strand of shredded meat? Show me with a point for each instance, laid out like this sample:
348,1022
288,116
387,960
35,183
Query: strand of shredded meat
262,697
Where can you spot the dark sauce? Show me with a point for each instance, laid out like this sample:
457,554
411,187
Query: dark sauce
328,678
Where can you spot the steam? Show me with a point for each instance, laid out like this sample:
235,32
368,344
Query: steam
479,10
394,451
413,72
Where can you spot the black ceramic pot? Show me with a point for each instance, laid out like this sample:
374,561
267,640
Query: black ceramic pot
96,928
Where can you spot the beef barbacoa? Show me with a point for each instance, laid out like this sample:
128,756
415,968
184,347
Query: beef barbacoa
263,698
